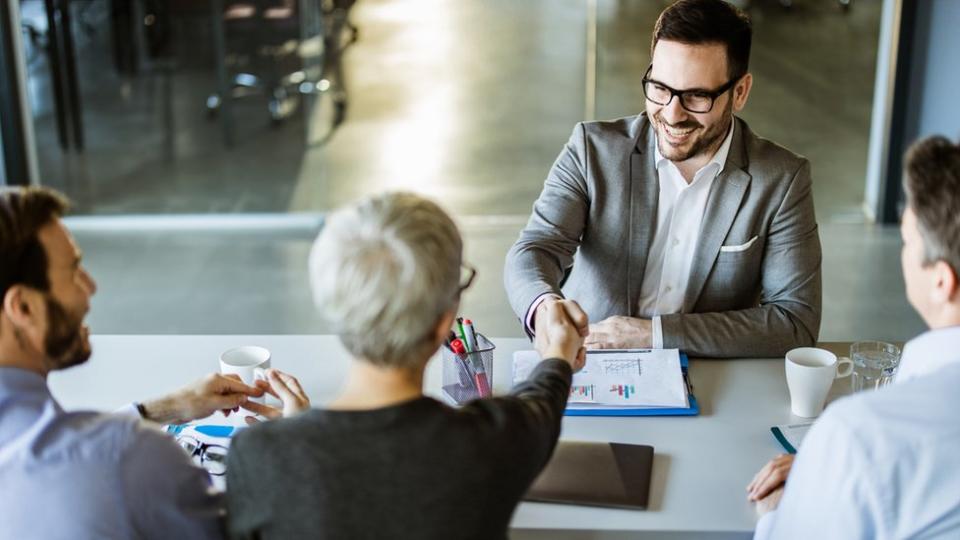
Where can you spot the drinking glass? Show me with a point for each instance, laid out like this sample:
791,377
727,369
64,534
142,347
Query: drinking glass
874,364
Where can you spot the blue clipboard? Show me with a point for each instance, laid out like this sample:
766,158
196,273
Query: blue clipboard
692,410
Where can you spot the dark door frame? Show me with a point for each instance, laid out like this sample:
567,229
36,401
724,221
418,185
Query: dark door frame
16,135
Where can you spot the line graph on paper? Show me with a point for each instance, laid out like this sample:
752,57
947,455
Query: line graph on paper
621,366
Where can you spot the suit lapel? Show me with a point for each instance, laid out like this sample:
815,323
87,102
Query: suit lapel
644,194
723,203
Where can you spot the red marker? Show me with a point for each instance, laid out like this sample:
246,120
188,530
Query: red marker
466,377
479,376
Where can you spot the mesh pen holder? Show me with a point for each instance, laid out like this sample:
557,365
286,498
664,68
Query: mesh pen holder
468,376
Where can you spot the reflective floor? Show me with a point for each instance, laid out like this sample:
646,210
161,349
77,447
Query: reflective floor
256,283
468,102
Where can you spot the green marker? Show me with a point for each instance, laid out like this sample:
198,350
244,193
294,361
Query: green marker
463,336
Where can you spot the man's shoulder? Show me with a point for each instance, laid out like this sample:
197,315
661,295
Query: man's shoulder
619,135
900,414
766,156
625,127
89,436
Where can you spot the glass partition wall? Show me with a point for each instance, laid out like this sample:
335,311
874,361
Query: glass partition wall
278,106
203,140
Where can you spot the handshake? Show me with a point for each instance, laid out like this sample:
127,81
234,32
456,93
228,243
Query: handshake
561,326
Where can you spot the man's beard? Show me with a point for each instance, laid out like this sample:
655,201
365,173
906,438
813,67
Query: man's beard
706,143
66,343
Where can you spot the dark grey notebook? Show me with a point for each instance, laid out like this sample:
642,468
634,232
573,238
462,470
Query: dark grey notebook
596,474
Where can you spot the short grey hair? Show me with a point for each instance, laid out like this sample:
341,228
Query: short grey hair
932,185
383,271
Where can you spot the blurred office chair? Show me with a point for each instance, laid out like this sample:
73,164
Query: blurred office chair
258,42
284,49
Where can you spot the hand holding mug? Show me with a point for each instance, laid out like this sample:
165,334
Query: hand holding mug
284,387
201,399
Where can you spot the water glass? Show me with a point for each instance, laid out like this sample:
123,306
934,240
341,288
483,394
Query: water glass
874,364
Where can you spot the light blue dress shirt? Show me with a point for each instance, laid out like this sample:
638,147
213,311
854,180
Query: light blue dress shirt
883,464
77,475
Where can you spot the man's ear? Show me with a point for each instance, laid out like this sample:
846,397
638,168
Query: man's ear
741,91
945,289
20,305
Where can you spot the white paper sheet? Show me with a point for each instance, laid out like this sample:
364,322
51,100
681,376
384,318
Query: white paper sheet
622,378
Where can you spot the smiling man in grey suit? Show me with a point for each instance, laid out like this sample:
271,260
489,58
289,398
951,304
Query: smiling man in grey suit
678,228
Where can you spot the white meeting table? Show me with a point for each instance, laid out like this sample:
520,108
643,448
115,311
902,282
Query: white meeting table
701,466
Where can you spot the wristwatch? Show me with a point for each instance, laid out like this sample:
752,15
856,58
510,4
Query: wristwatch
141,409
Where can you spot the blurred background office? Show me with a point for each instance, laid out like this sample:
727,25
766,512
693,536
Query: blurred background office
203,140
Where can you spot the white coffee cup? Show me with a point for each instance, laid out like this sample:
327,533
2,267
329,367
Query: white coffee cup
249,362
810,374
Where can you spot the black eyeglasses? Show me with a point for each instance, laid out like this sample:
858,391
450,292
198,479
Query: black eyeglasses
467,273
695,100
212,457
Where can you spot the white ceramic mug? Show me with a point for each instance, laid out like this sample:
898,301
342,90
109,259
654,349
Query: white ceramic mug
248,362
810,374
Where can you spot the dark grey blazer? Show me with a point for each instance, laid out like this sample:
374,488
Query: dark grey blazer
595,219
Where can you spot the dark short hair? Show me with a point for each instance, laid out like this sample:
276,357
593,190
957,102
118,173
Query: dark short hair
932,183
698,22
23,212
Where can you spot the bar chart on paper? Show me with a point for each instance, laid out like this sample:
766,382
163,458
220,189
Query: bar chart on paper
620,379
582,392
621,391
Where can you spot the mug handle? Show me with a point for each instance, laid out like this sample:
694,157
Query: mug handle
843,360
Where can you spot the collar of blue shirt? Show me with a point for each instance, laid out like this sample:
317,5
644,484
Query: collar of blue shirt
21,381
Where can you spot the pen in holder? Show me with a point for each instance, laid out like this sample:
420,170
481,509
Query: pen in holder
468,375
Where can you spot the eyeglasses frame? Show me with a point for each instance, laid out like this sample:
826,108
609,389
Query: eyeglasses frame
201,451
466,285
674,93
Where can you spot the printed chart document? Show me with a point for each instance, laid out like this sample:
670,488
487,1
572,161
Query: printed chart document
635,378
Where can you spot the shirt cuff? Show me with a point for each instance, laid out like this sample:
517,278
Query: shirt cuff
764,526
657,338
128,410
528,320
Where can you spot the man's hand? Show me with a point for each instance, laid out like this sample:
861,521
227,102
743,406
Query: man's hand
200,399
560,328
574,312
769,503
620,332
772,476
284,387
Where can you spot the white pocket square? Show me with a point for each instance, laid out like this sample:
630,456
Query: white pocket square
737,249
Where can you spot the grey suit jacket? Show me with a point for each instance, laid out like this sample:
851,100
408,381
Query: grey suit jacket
595,220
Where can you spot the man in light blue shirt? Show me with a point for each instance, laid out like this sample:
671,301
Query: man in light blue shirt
886,464
78,475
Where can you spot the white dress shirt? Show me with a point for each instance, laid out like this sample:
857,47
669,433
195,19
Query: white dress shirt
883,464
680,209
